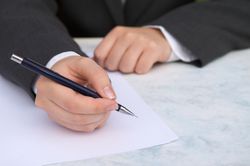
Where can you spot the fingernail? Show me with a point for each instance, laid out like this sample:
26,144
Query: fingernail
112,107
109,93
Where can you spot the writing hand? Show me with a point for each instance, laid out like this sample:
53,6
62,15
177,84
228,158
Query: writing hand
69,108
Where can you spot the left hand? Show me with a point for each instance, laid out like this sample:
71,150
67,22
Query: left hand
132,49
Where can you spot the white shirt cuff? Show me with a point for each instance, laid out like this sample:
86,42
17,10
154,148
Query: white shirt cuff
54,60
179,52
59,57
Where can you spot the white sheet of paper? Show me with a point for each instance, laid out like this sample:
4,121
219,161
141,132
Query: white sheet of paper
29,138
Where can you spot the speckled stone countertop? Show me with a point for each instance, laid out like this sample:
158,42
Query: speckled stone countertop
208,108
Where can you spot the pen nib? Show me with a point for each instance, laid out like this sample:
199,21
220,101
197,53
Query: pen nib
124,110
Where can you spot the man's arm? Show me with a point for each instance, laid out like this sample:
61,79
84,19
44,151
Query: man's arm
205,30
210,29
30,28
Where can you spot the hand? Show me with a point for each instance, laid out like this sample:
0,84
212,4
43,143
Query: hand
71,109
132,49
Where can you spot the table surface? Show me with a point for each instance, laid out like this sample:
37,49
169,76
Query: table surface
208,108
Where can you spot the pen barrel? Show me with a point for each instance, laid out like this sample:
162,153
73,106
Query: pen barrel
40,69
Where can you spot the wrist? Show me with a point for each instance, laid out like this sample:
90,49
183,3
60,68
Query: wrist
53,61
166,47
59,57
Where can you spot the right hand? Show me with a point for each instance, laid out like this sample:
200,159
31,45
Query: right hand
69,108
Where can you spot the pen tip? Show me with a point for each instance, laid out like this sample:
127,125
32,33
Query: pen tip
124,110
135,116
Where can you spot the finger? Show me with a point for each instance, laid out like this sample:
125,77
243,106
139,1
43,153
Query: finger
104,120
103,49
38,101
146,61
77,125
66,117
130,58
74,102
96,77
85,128
117,51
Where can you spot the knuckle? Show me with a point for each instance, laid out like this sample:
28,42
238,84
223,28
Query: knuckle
141,39
101,125
96,108
140,69
92,107
100,108
125,69
119,29
137,71
110,66
88,128
129,36
85,61
99,74
84,120
98,53
75,128
38,102
40,86
70,105
77,119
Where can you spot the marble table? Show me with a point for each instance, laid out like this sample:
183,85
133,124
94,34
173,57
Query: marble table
208,108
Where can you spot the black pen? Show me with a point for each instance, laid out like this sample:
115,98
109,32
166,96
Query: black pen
40,69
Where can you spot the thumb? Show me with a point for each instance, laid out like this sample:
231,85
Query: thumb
96,77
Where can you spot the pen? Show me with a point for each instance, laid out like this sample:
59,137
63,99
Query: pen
40,69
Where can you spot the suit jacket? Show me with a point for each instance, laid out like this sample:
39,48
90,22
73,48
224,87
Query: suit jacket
40,29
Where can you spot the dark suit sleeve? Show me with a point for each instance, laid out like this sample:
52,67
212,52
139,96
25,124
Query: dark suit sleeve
210,29
30,28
